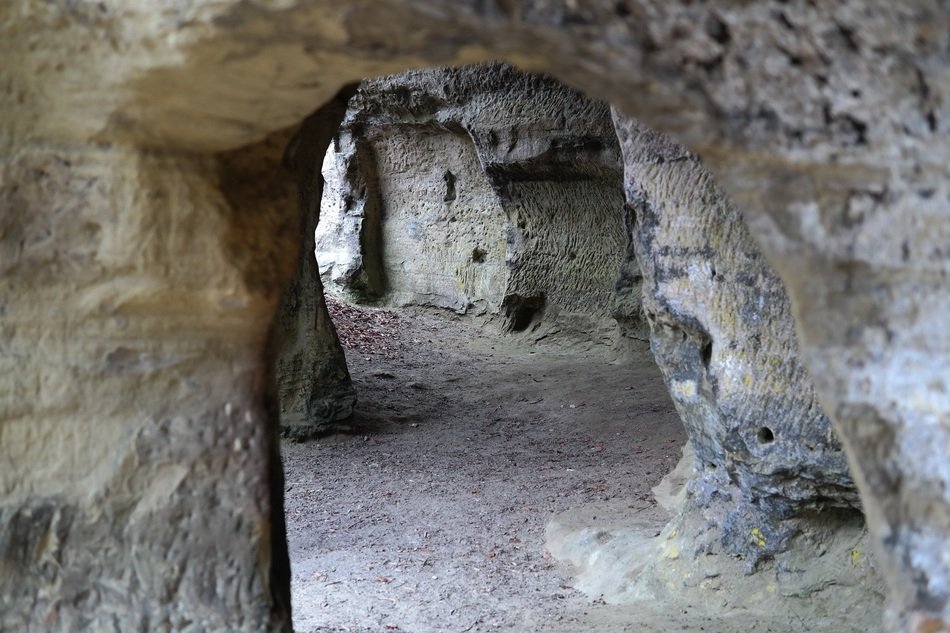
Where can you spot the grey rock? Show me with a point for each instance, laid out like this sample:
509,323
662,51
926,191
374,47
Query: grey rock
722,332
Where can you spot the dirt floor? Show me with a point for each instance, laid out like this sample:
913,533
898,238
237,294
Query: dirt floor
429,514
469,448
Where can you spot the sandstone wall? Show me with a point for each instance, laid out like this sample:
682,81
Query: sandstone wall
768,463
349,233
411,218
140,487
825,122
313,386
442,237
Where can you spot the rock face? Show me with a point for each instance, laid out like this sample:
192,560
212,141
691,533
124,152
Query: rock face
478,189
138,291
137,463
313,384
435,228
767,459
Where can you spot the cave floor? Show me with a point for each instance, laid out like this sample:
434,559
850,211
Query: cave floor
429,512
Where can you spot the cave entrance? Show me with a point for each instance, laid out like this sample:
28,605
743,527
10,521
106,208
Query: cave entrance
506,397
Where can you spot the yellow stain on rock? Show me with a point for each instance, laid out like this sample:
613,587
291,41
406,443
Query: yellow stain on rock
685,389
856,557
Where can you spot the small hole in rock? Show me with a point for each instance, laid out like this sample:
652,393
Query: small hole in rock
522,318
450,193
765,435
706,354
478,255
523,312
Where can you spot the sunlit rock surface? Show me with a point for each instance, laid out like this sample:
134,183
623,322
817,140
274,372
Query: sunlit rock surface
480,189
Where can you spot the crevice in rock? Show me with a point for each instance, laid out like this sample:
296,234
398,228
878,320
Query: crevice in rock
523,313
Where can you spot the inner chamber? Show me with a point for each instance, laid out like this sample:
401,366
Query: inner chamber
477,448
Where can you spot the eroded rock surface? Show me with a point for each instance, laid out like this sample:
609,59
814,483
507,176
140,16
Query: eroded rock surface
140,485
826,122
479,189
313,385
722,332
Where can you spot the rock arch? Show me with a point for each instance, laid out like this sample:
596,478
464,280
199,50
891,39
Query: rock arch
826,123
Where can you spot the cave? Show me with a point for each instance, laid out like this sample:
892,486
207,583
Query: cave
473,218
783,245
515,202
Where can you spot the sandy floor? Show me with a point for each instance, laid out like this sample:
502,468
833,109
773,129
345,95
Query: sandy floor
430,514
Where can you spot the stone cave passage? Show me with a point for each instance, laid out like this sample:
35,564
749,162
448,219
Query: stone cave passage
476,433
428,511
157,343
505,394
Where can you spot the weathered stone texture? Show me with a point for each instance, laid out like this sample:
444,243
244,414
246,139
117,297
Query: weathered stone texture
825,122
722,333
133,456
493,191
441,227
313,384
841,171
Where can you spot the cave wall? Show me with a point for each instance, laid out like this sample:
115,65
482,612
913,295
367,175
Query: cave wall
495,192
411,218
442,238
825,122
312,384
135,461
770,470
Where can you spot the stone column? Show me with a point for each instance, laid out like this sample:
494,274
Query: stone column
865,252
313,383
723,335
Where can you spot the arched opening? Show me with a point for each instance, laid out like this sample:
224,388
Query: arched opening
445,198
496,387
